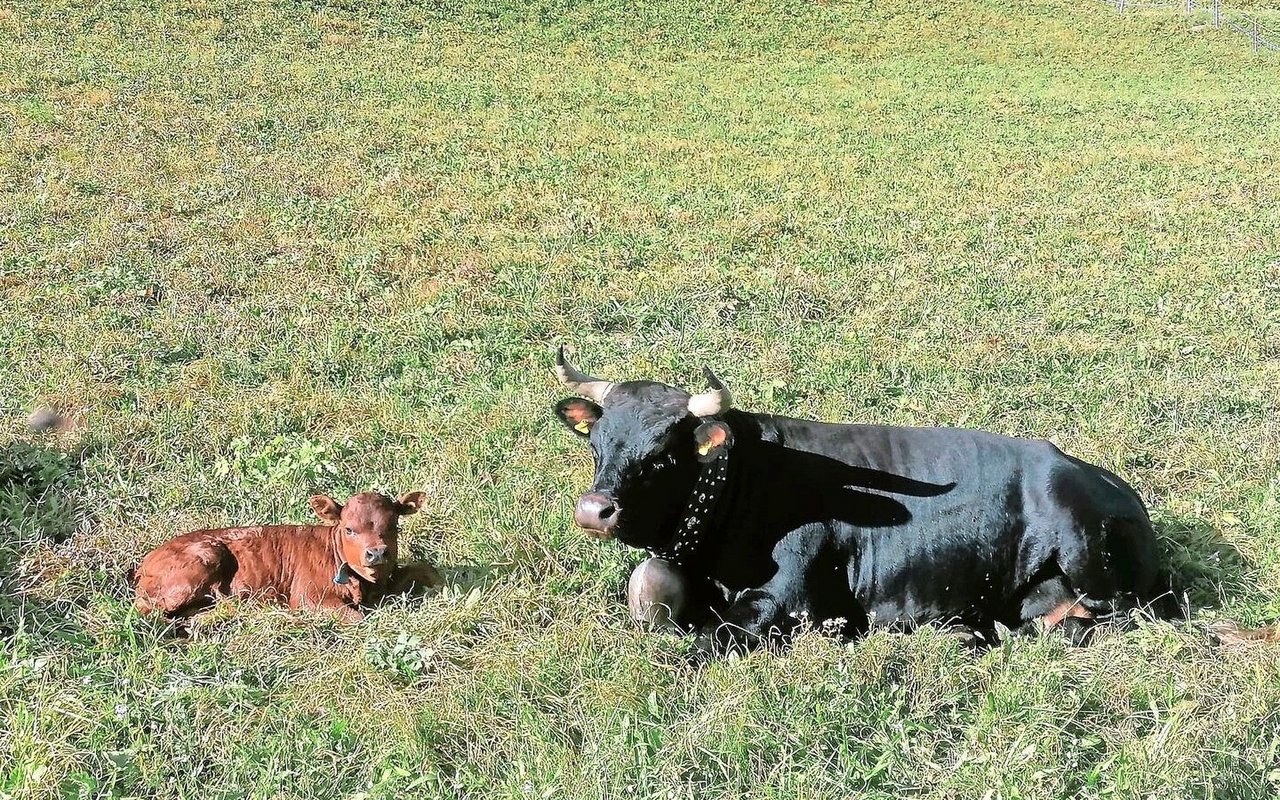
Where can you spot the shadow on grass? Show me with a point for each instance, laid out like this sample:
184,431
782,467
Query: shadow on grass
38,489
38,486
1203,564
465,577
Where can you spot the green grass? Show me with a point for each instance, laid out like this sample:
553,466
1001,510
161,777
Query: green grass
266,249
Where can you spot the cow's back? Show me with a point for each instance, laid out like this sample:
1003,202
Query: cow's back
935,471
291,564
287,564
945,522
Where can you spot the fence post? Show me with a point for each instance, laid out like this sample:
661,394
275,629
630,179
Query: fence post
1255,35
1217,13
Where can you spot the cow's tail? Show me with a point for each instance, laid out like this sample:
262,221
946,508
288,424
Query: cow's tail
1174,605
1228,632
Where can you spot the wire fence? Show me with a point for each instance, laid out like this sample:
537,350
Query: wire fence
1259,36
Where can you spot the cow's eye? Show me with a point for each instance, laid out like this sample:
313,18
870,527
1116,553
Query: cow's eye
351,531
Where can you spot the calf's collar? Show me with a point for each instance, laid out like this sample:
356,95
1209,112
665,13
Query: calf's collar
344,574
691,533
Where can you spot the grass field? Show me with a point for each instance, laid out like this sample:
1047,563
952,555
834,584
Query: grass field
262,249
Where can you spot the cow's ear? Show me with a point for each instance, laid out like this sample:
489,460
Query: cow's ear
713,439
411,503
326,508
578,415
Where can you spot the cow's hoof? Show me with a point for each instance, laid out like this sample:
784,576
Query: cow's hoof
969,639
703,651
709,647
1077,631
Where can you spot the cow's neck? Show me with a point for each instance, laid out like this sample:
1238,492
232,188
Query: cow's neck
348,582
694,529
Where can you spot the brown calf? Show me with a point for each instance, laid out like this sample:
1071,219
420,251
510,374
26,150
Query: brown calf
347,565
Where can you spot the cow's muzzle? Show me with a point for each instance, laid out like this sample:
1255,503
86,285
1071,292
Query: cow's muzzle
597,513
375,555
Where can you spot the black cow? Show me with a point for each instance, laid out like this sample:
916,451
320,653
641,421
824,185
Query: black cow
757,521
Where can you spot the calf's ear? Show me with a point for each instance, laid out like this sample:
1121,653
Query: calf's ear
712,438
411,503
578,415
326,508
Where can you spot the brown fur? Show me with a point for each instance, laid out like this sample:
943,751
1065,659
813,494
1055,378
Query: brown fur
289,565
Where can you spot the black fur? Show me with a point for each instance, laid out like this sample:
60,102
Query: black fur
877,525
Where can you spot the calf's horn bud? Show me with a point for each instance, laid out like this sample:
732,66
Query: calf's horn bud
580,382
710,403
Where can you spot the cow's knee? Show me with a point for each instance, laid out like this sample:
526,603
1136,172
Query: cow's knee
755,619
657,593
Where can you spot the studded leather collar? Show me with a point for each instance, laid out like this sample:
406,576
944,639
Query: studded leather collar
691,532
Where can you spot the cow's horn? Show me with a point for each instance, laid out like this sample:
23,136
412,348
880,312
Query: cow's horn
708,404
580,382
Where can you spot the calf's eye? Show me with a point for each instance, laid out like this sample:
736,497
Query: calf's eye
351,531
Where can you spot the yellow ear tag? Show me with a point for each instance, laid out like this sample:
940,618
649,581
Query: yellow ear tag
703,449
583,426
